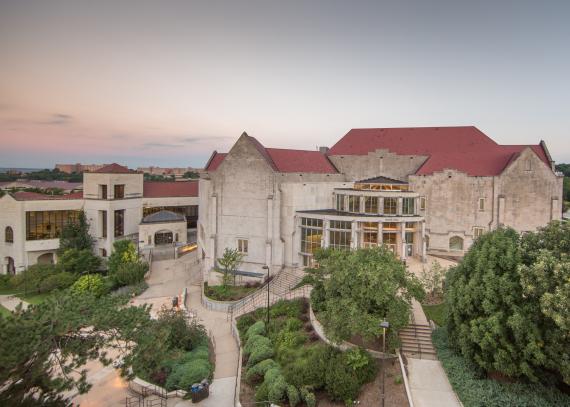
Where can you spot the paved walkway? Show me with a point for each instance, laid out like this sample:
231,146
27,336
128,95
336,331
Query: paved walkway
428,382
10,302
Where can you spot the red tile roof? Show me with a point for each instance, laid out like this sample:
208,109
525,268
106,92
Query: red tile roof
465,149
35,196
214,161
114,169
284,160
153,189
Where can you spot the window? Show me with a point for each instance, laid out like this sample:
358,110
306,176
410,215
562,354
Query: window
389,239
481,204
528,165
340,203
369,234
370,204
9,235
477,232
311,235
120,223
119,191
408,206
103,217
353,203
102,252
242,246
340,234
42,225
456,243
422,203
190,211
102,191
390,206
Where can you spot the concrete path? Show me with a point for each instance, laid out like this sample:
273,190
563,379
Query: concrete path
10,302
429,384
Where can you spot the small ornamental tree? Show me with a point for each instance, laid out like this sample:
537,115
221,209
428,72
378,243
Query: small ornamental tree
75,235
79,261
356,290
230,261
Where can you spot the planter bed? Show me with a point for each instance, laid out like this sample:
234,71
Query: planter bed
297,358
229,293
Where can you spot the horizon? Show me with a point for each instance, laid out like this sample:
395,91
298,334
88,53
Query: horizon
142,84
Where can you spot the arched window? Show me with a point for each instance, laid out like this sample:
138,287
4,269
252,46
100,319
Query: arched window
456,243
9,235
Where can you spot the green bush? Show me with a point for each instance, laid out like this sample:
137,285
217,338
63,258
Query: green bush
243,323
293,395
130,273
93,283
261,352
474,390
262,392
5,282
308,397
287,340
284,308
308,366
277,389
30,279
257,328
257,372
341,381
57,281
255,341
79,261
185,375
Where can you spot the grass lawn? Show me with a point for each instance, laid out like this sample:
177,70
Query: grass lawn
436,313
4,311
34,298
229,293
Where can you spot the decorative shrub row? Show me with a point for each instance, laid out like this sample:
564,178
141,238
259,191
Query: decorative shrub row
475,390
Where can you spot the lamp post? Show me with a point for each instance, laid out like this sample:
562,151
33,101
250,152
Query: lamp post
384,325
267,322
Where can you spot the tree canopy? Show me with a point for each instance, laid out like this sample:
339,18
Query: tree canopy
75,235
508,304
45,347
354,291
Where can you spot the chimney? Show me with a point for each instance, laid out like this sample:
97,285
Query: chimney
323,150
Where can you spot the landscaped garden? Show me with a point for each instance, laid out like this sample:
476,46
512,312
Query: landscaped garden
287,364
174,352
506,340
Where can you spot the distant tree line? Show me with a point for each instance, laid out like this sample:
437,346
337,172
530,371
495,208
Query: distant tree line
43,175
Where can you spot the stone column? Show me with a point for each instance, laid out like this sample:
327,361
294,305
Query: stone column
403,241
380,234
361,204
400,207
423,242
354,235
380,205
325,241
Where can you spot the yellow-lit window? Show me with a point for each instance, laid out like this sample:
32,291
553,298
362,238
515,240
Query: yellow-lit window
423,203
242,246
481,204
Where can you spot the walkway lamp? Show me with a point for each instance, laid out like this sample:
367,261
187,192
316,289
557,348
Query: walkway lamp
267,322
384,325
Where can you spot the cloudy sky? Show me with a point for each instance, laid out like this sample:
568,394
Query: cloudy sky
166,82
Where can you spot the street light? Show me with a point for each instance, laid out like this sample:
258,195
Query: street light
267,323
384,325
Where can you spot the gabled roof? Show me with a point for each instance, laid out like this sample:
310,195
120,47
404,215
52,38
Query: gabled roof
381,180
464,149
114,169
34,196
164,217
283,160
156,189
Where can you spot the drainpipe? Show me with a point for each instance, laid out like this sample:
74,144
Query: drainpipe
492,206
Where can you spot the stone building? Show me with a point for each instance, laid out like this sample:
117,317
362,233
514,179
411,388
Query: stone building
115,200
413,189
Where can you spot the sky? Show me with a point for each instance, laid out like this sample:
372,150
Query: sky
167,82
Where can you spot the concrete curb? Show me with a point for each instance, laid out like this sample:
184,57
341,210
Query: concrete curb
406,383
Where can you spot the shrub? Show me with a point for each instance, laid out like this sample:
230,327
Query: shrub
92,283
257,328
124,251
185,375
287,340
255,373
57,281
308,397
79,261
474,390
243,323
5,282
361,363
277,389
284,308
341,381
177,331
259,353
308,367
254,342
130,273
293,396
262,392
30,279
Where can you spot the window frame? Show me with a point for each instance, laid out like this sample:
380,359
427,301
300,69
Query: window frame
481,205
243,246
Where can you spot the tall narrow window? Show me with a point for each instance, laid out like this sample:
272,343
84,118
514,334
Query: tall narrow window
477,232
340,203
242,246
390,206
119,223
340,234
481,204
422,203
371,204
102,191
354,203
9,235
408,206
119,191
103,217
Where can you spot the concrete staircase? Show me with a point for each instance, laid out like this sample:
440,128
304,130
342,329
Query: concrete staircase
281,287
416,342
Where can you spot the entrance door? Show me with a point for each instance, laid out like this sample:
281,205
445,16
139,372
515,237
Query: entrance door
161,238
10,267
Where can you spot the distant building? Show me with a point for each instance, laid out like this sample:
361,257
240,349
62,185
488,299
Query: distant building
115,200
79,168
65,186
415,190
167,171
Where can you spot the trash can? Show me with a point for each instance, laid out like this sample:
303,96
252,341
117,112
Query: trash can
200,391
